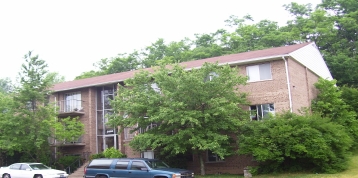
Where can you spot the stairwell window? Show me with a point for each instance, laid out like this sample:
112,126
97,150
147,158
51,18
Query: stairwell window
259,72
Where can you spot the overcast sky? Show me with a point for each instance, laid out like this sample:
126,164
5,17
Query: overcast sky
72,35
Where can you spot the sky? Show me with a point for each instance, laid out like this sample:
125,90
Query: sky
72,35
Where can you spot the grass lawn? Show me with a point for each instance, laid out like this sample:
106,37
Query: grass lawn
352,172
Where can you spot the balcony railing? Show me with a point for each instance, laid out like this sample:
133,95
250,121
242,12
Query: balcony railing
70,107
62,143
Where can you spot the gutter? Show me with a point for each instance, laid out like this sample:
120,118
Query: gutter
288,83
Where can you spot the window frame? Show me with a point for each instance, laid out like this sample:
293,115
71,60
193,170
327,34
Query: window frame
73,101
258,72
260,109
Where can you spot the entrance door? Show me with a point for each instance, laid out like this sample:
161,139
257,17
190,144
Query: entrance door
109,141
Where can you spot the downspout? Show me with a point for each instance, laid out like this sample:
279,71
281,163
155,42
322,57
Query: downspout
288,83
55,129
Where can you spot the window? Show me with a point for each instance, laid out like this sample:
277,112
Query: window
100,164
259,72
148,154
24,167
136,165
259,112
211,76
15,166
150,126
155,87
122,164
212,157
73,101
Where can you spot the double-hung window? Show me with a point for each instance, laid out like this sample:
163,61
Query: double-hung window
259,72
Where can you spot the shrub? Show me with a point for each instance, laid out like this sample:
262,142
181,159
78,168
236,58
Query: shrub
95,156
68,161
295,143
113,153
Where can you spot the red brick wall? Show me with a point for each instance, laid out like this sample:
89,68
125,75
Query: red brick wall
301,83
269,91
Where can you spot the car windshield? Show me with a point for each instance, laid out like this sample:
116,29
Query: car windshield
156,164
38,166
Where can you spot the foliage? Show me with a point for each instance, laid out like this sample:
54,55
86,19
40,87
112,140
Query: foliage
350,97
329,103
98,155
28,120
69,129
293,142
113,153
191,110
54,78
69,160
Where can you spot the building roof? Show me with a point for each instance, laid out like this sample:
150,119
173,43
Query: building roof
245,57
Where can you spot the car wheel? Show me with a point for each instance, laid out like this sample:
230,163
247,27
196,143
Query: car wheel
38,176
6,176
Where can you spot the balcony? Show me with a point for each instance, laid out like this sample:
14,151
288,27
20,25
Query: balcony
70,108
64,143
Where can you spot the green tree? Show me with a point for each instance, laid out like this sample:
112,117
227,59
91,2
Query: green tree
193,111
332,26
329,104
32,120
54,77
350,97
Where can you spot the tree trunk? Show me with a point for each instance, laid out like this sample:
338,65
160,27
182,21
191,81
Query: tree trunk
202,165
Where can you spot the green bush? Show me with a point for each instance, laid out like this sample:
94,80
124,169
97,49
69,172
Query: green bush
95,156
294,143
68,161
113,153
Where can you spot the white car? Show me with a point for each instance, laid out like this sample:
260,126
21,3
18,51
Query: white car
31,170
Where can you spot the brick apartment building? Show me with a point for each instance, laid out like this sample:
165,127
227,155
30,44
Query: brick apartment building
280,79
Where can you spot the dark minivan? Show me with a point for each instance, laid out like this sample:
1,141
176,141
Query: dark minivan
133,168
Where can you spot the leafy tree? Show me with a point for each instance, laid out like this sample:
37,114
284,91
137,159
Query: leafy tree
333,27
193,111
123,63
28,121
160,53
329,103
89,74
292,142
350,97
54,77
